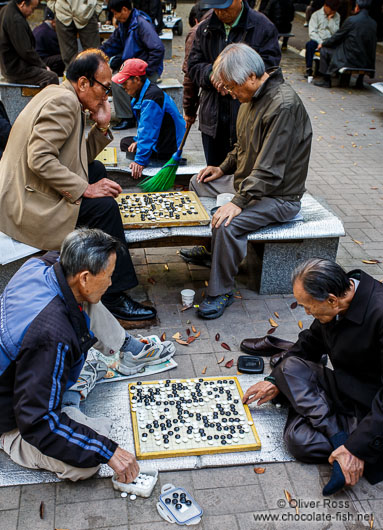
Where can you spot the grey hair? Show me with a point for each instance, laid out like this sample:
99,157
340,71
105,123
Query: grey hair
87,249
321,277
236,63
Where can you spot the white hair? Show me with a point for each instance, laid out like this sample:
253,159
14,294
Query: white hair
236,63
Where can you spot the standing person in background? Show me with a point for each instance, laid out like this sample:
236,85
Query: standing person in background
76,17
190,94
47,44
323,24
153,8
135,37
5,128
232,21
19,60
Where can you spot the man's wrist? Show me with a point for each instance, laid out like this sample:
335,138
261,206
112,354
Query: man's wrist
103,128
270,379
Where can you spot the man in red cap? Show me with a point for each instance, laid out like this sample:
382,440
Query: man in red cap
160,126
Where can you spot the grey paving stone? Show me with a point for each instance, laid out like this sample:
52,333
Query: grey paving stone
306,480
30,517
88,490
219,522
246,521
225,476
92,514
34,494
232,500
8,519
10,498
273,483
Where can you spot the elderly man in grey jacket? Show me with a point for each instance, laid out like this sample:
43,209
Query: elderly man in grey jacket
265,172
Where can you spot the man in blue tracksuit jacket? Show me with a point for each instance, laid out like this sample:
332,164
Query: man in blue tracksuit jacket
160,125
136,37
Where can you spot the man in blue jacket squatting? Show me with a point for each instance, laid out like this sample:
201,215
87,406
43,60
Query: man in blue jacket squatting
51,315
160,126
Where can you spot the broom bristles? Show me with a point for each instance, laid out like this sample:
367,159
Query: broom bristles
165,178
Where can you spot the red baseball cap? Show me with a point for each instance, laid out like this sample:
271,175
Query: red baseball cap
130,68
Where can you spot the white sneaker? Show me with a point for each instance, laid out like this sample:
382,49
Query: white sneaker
154,352
91,372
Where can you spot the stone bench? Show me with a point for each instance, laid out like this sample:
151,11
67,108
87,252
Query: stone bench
273,251
15,97
167,40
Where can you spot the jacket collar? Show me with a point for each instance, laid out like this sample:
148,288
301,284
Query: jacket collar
359,304
144,88
275,78
75,313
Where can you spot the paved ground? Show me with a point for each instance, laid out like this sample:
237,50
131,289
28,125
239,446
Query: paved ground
346,174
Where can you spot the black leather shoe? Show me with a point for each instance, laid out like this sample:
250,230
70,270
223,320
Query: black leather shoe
125,124
124,308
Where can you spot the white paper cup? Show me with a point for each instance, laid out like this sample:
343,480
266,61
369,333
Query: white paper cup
224,198
310,79
187,296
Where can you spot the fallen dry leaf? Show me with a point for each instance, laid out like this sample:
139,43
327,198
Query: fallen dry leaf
230,363
42,510
273,323
276,314
186,307
177,335
294,305
166,267
197,335
271,330
183,342
221,360
152,281
206,283
237,296
357,242
204,370
287,495
163,337
188,332
300,324
374,188
109,374
370,261
225,346
217,337
188,322
190,339
259,470
194,329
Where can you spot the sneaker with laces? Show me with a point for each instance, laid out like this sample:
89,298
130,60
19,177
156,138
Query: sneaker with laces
199,255
153,352
91,372
214,306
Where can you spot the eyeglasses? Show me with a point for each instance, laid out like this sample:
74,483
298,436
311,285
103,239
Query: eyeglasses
107,89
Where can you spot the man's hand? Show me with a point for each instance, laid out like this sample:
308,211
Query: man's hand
209,173
227,211
352,466
136,170
133,147
319,47
189,119
102,188
264,391
125,465
102,115
218,85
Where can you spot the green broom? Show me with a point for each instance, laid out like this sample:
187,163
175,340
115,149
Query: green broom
165,178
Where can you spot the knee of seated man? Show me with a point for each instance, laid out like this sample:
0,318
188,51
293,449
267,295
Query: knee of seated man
291,365
303,444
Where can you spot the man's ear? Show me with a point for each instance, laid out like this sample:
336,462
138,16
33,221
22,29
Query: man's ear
83,83
332,299
83,279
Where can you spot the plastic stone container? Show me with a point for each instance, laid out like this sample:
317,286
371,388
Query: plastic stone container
183,512
141,490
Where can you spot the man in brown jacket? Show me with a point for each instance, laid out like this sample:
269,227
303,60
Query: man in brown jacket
269,163
49,183
19,60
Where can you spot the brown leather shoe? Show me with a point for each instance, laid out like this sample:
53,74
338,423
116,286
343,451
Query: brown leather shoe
265,346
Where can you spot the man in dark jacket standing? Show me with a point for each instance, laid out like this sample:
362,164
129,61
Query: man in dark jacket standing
5,128
136,38
336,414
353,45
19,60
269,163
47,44
231,21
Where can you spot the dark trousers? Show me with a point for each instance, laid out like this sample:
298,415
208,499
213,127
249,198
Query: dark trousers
313,417
155,158
67,36
325,60
216,149
55,63
311,46
104,213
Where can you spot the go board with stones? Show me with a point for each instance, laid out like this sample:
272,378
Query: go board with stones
182,417
161,209
108,156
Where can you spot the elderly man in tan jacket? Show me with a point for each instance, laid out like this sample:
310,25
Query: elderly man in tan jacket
49,182
76,17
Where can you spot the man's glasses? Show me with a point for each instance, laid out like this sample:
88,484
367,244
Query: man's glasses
107,89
